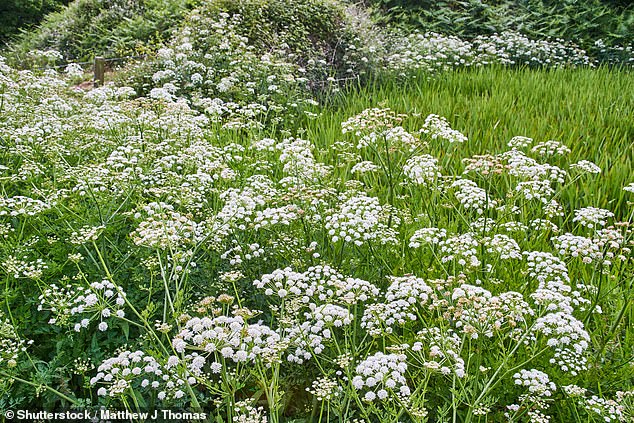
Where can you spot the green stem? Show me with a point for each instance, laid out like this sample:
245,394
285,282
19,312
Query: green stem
48,388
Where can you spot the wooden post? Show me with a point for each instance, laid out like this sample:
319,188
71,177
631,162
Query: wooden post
100,69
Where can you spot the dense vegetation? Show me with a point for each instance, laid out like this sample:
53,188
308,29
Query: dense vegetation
583,21
287,212
17,15
88,28
111,28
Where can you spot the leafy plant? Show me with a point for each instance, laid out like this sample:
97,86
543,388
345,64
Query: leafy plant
89,28
21,15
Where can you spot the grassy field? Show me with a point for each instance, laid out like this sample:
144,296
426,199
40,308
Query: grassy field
589,110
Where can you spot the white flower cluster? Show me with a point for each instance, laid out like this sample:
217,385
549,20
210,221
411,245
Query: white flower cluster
284,282
74,70
543,225
567,336
241,253
328,285
437,127
428,236
613,240
519,142
484,225
247,413
550,148
364,167
485,165
477,312
553,291
538,190
86,234
472,197
462,249
299,161
591,217
102,299
325,389
371,121
165,228
230,337
360,219
527,168
433,52
607,410
422,170
512,226
399,137
586,166
134,369
312,335
240,205
317,284
402,298
23,268
546,267
439,351
383,375
502,245
577,246
470,302
537,382
21,205
513,48
553,209
430,52
5,230
276,215
11,346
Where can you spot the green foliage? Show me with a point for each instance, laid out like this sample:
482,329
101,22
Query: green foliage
581,21
305,26
309,30
17,15
88,28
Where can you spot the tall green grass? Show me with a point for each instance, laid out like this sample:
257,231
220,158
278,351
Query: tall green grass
590,110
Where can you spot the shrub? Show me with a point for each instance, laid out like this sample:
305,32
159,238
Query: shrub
229,56
581,21
17,15
311,30
88,28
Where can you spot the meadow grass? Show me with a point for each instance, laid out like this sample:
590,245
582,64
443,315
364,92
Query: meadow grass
589,110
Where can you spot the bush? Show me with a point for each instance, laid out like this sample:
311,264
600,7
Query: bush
228,56
22,14
88,28
310,31
581,21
